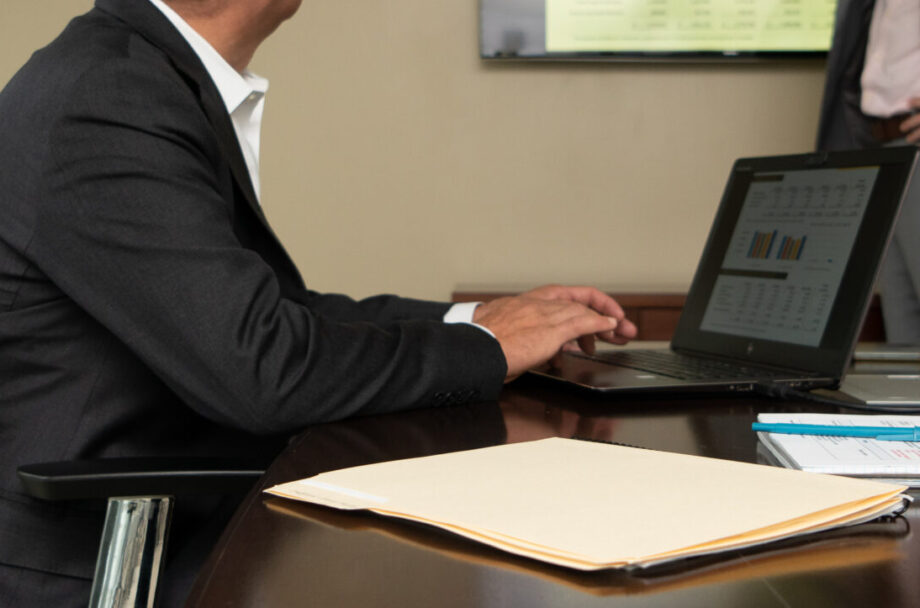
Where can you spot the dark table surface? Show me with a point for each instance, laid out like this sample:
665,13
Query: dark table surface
283,553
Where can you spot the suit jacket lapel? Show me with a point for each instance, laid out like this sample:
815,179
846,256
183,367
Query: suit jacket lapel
150,23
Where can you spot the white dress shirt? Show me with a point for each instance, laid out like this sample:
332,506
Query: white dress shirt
243,94
891,73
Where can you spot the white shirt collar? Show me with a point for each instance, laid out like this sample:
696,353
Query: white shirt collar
243,93
234,87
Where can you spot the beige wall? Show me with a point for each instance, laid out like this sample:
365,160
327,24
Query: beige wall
395,160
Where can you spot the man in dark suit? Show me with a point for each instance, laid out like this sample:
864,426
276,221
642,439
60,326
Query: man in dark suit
147,308
871,98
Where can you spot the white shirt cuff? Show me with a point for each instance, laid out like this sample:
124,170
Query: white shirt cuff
462,312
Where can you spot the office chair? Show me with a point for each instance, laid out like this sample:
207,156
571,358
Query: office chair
141,493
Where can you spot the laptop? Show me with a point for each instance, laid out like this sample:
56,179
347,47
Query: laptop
783,285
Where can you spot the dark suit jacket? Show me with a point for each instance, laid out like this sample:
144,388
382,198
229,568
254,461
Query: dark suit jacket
146,307
842,124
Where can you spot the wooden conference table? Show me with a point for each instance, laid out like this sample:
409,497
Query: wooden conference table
282,553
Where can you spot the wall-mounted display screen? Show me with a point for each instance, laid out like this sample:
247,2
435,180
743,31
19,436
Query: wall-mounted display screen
655,29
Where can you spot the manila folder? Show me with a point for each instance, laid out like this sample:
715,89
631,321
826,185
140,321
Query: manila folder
590,505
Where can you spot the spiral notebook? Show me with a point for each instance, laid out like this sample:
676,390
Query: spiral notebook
893,461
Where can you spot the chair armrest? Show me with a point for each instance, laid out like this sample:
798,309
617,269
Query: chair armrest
88,479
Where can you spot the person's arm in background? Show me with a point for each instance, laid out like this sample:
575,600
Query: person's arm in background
911,126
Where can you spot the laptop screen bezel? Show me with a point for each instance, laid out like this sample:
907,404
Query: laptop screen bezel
832,356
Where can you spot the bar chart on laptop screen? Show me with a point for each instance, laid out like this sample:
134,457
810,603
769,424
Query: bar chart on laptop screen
786,258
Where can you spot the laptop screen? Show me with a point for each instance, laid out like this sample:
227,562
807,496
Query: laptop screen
789,267
787,254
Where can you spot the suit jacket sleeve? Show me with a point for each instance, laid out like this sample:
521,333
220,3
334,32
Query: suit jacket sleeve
135,226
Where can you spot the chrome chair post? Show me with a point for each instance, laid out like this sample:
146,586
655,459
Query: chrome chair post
131,552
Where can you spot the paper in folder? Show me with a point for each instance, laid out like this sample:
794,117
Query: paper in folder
590,505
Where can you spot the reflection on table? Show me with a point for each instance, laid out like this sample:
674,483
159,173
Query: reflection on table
282,553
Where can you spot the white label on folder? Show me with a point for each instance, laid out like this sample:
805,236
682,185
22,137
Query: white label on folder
340,490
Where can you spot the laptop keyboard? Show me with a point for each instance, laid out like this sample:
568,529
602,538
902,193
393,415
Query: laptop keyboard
676,365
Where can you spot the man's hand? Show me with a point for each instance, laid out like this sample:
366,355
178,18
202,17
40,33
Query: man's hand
911,126
534,326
